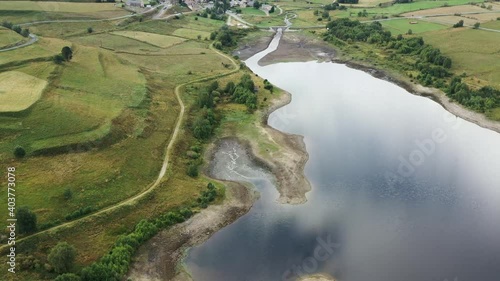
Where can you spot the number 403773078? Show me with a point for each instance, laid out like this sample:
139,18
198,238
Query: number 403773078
11,196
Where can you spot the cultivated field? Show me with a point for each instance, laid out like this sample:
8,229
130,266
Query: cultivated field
161,41
18,91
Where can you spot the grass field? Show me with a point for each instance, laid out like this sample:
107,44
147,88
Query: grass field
18,91
474,52
64,7
191,33
492,24
72,29
9,37
161,41
402,26
397,9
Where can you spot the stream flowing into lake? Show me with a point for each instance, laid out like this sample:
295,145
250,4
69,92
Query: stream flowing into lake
401,189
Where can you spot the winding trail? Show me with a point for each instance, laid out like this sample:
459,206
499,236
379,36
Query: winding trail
33,39
166,160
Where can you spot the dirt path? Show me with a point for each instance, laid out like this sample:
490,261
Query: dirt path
166,160
33,39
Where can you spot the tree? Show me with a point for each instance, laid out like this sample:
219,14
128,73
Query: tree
62,257
26,220
256,4
90,30
17,29
476,25
67,53
410,32
271,10
460,23
19,152
68,277
25,32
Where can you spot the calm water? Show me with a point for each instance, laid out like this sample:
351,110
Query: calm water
402,190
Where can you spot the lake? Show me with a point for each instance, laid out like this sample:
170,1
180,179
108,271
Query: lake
401,189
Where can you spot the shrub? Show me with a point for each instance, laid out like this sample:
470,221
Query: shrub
19,152
62,257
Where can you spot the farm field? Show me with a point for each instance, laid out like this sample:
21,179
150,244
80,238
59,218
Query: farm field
417,26
161,41
474,52
397,9
18,91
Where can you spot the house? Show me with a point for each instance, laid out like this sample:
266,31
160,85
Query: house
135,3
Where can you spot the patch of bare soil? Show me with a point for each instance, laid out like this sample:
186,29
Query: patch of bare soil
296,47
249,49
158,259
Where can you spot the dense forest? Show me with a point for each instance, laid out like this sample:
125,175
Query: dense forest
432,66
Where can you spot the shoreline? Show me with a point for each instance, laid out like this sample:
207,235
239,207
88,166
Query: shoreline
161,257
312,49
434,94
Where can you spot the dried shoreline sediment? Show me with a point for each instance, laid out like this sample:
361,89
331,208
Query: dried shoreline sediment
160,258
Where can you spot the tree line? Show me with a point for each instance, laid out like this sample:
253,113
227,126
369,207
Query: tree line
432,66
25,32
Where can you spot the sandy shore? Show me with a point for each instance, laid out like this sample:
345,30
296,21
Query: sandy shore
159,258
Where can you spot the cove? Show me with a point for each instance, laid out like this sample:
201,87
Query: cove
401,189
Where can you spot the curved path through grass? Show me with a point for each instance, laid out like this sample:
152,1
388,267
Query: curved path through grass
166,160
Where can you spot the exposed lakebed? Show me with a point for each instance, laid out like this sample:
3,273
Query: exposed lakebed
401,189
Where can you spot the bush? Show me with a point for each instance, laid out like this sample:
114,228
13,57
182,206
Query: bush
192,170
58,59
90,30
19,152
79,213
460,23
26,220
62,257
67,277
68,194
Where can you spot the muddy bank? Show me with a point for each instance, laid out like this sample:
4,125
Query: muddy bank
298,47
287,164
159,258
253,47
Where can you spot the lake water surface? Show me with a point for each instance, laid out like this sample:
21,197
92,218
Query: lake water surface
401,189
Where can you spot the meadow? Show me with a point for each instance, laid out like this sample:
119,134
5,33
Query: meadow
18,91
417,26
9,37
474,52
